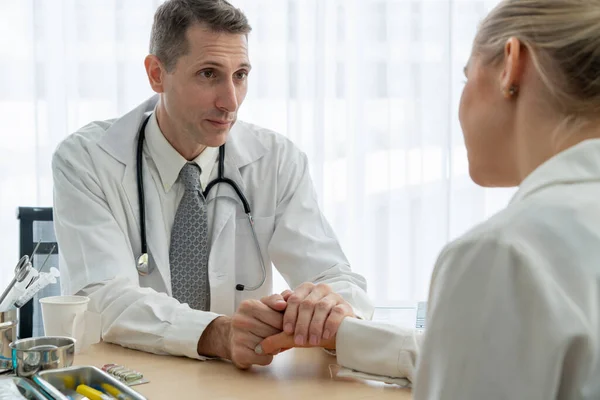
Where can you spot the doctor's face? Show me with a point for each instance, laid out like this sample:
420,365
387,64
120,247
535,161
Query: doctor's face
204,91
487,126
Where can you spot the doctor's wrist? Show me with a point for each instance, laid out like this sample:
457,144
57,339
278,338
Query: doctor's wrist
215,341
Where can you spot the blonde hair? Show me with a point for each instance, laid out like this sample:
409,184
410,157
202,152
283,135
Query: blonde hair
563,37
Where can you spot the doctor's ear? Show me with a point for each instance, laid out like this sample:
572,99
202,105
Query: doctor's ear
156,72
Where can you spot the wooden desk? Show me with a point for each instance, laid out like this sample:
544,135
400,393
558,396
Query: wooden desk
295,374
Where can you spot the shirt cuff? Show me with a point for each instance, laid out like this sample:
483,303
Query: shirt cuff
358,313
330,352
182,337
350,373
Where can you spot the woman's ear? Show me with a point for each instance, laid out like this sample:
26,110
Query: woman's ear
512,70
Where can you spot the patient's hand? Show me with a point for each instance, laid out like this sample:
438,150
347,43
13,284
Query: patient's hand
313,314
282,341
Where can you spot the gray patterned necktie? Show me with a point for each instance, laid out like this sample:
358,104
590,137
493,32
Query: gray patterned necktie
189,244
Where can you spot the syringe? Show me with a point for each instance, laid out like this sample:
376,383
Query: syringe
18,289
43,280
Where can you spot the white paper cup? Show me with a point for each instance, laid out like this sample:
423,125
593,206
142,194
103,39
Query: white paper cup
68,316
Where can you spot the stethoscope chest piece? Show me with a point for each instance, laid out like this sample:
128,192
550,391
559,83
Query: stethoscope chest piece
142,265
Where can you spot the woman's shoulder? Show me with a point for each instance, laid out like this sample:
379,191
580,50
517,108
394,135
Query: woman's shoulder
552,236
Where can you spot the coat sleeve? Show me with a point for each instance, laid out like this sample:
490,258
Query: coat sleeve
378,349
97,261
499,326
316,255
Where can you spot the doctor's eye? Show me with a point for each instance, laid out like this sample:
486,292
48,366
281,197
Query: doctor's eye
241,75
206,73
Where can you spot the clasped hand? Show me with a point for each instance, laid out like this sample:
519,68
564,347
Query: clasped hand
309,316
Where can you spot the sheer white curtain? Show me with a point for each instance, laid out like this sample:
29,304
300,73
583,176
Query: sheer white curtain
369,89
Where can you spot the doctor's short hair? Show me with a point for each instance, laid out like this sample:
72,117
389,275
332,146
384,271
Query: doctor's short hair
563,37
172,19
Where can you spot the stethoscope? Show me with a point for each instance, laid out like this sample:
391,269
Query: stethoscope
142,266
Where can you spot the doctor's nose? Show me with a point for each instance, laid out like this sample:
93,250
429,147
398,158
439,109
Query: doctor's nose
227,97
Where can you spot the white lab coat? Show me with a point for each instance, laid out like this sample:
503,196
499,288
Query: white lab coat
514,305
98,231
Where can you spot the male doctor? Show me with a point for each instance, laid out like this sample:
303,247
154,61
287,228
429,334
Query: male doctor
197,294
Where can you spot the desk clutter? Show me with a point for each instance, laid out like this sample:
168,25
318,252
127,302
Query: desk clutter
124,374
41,368
27,282
71,383
84,382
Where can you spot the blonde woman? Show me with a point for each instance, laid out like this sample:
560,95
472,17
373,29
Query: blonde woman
514,306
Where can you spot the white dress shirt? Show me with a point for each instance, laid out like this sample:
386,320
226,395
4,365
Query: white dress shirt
514,304
165,163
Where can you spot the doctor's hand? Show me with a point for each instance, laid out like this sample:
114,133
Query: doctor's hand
253,322
314,314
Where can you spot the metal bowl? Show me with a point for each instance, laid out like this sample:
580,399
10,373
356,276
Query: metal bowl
32,355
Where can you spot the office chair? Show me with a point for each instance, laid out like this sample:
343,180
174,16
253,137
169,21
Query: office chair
35,225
